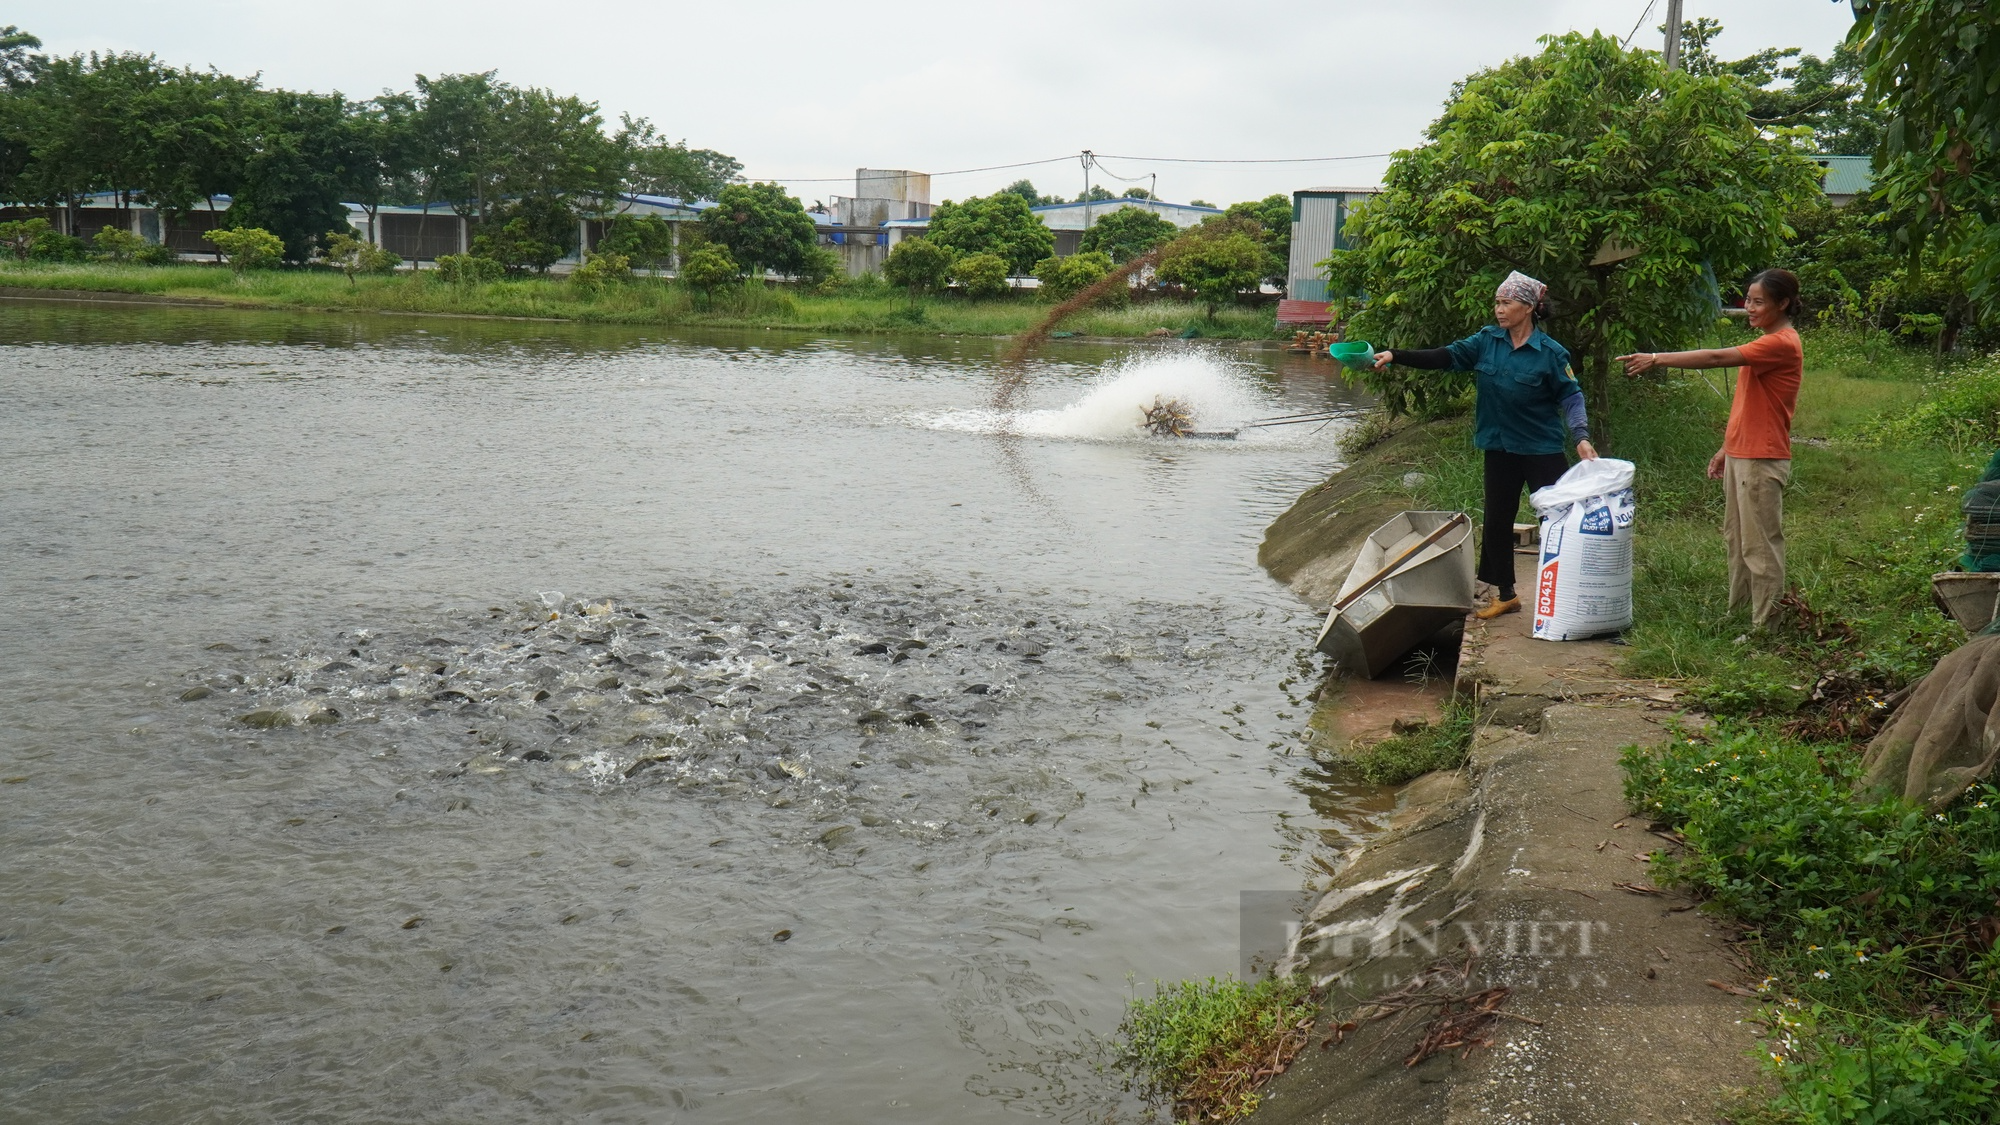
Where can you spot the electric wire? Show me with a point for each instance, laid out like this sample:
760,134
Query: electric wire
1635,27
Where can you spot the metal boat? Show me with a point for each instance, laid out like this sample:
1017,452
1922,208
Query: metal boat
1969,599
1412,579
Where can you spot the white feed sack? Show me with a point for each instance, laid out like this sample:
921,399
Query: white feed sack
1583,585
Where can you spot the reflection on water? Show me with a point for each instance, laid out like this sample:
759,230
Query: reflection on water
452,716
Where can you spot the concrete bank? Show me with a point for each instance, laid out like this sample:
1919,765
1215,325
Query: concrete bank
1522,871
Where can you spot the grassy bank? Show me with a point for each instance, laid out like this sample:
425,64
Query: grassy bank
857,308
1873,925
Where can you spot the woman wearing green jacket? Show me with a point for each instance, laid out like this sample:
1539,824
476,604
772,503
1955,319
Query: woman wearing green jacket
1529,409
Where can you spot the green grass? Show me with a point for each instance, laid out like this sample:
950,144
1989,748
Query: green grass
862,309
1200,1044
1873,923
1442,745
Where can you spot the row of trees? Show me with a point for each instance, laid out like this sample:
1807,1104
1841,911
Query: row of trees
524,163
1641,193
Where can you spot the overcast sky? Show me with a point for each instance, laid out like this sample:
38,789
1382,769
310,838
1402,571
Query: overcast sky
797,90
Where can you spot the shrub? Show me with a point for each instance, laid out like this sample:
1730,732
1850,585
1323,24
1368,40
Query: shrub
981,275
1202,1044
468,269
353,255
532,233
118,245
647,240
602,267
156,254
53,247
1962,412
919,265
1874,919
1063,278
19,236
708,268
247,248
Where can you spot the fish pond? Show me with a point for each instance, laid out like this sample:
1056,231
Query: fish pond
441,720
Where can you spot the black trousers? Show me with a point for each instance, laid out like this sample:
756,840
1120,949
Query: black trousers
1505,474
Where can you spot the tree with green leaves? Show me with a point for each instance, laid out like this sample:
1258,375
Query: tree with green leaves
656,166
708,268
117,245
1936,63
1539,164
1828,96
302,153
1127,233
647,241
999,224
247,248
919,265
1063,278
1026,190
981,276
531,233
19,236
1096,193
351,255
1273,216
18,58
764,228
1216,261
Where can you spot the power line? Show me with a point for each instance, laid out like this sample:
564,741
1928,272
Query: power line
934,175
1264,160
1635,27
1140,159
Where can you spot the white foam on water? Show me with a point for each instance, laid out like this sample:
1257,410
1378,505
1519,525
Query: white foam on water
1218,395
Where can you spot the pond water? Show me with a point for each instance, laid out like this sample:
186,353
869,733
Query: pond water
458,720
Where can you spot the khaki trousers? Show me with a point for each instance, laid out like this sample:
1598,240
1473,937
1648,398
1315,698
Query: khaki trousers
1753,491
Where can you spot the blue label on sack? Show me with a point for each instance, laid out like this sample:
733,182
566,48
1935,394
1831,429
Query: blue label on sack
1552,539
1596,521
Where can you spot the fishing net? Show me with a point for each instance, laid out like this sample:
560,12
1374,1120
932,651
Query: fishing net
1946,736
1982,522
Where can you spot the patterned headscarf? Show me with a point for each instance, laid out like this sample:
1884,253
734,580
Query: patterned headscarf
1520,287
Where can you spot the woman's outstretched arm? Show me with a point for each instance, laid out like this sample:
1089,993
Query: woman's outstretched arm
1435,359
1638,363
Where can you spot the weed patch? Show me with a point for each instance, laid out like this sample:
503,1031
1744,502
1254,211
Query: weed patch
1875,923
1207,1046
1442,745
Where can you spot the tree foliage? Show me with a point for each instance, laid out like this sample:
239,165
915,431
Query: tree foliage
1828,96
351,255
1533,166
1273,216
531,233
998,224
1937,64
763,227
647,241
1217,260
981,275
919,265
1063,278
1026,190
1127,233
247,248
708,268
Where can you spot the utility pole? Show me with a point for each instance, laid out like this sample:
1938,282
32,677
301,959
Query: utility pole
1088,157
1672,54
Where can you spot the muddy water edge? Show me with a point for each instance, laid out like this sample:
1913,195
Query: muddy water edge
463,720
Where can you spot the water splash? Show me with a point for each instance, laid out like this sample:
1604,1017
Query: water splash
1219,396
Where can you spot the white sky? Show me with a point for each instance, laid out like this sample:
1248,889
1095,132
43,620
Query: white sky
815,90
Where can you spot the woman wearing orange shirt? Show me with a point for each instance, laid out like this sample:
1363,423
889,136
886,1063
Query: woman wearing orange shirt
1755,461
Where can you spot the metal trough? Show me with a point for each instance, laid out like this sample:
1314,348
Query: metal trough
1969,599
1412,578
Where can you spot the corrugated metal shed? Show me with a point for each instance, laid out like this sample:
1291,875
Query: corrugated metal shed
1318,218
1846,176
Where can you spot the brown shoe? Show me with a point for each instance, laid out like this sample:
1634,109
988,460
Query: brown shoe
1498,606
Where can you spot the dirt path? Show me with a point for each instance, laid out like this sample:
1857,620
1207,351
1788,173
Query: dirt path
1529,861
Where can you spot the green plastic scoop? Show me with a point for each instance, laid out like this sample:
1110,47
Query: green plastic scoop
1357,354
